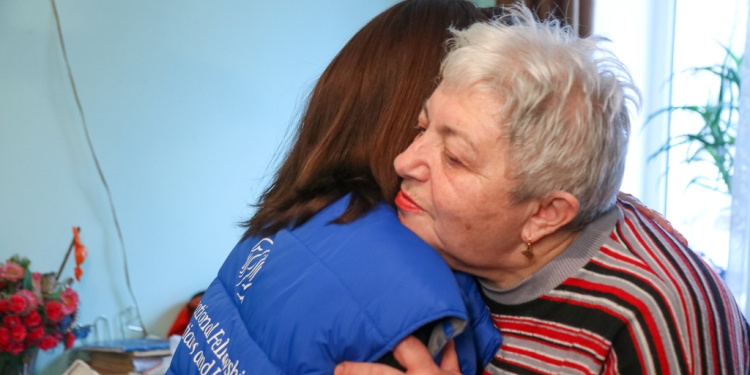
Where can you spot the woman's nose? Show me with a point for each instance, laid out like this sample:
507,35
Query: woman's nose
411,164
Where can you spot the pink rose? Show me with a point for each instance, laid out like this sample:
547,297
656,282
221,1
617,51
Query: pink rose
35,333
4,336
47,343
18,333
31,300
17,304
4,305
69,300
54,311
12,271
32,319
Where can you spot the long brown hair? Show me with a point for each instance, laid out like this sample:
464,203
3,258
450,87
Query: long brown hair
361,114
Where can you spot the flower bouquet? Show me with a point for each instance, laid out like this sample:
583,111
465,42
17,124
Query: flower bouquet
36,312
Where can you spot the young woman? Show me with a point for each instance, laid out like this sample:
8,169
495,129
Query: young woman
325,272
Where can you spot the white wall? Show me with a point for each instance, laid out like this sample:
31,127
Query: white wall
186,104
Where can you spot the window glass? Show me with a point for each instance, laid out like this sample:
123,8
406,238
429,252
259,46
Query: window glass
703,214
658,40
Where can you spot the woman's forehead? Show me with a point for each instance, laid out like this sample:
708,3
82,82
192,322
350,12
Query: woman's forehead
470,117
465,104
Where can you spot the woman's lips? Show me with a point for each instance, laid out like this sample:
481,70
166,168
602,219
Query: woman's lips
404,203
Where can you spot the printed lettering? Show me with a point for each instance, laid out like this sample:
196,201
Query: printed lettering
199,359
229,367
215,338
189,339
220,348
199,310
202,323
205,368
200,313
209,328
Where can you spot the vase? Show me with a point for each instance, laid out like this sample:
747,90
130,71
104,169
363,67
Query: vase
19,364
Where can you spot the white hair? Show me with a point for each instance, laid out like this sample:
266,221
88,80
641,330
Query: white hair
563,105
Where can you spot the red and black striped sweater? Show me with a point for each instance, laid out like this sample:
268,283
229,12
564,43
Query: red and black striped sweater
624,298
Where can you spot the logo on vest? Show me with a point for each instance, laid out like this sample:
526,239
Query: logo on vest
252,266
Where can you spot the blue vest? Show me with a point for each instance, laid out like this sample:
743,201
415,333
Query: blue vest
305,299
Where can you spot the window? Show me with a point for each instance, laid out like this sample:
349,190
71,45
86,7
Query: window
655,39
700,32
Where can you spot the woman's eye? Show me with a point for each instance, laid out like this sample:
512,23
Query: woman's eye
421,128
452,160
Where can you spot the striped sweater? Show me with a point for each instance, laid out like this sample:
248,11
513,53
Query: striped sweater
624,298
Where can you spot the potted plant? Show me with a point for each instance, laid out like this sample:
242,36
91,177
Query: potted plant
714,142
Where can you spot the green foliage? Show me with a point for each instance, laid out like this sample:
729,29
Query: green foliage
22,261
714,142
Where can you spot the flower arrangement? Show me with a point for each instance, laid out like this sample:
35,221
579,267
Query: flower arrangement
36,310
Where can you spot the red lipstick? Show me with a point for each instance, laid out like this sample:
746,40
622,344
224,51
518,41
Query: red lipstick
404,203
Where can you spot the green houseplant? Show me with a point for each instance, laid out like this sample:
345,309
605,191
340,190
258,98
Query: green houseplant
714,142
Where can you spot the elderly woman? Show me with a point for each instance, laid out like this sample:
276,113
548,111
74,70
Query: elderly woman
514,179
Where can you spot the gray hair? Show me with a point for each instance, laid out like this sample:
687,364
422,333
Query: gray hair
563,105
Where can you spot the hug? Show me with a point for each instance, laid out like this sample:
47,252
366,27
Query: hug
450,205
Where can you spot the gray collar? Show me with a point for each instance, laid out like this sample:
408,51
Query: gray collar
562,267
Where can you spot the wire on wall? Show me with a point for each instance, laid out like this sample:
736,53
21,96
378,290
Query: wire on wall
98,167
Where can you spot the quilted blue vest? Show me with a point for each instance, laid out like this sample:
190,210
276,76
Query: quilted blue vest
308,298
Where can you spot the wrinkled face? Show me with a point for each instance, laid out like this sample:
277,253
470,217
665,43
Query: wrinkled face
455,190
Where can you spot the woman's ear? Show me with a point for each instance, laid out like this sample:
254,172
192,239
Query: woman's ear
551,213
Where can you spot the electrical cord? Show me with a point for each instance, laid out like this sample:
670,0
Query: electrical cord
98,167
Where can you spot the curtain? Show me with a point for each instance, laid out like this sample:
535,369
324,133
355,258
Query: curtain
738,269
577,13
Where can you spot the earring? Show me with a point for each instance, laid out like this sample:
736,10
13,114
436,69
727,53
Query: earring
528,253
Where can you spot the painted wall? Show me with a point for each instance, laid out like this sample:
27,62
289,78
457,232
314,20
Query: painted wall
186,103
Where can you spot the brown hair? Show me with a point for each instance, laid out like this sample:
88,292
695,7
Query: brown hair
361,114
